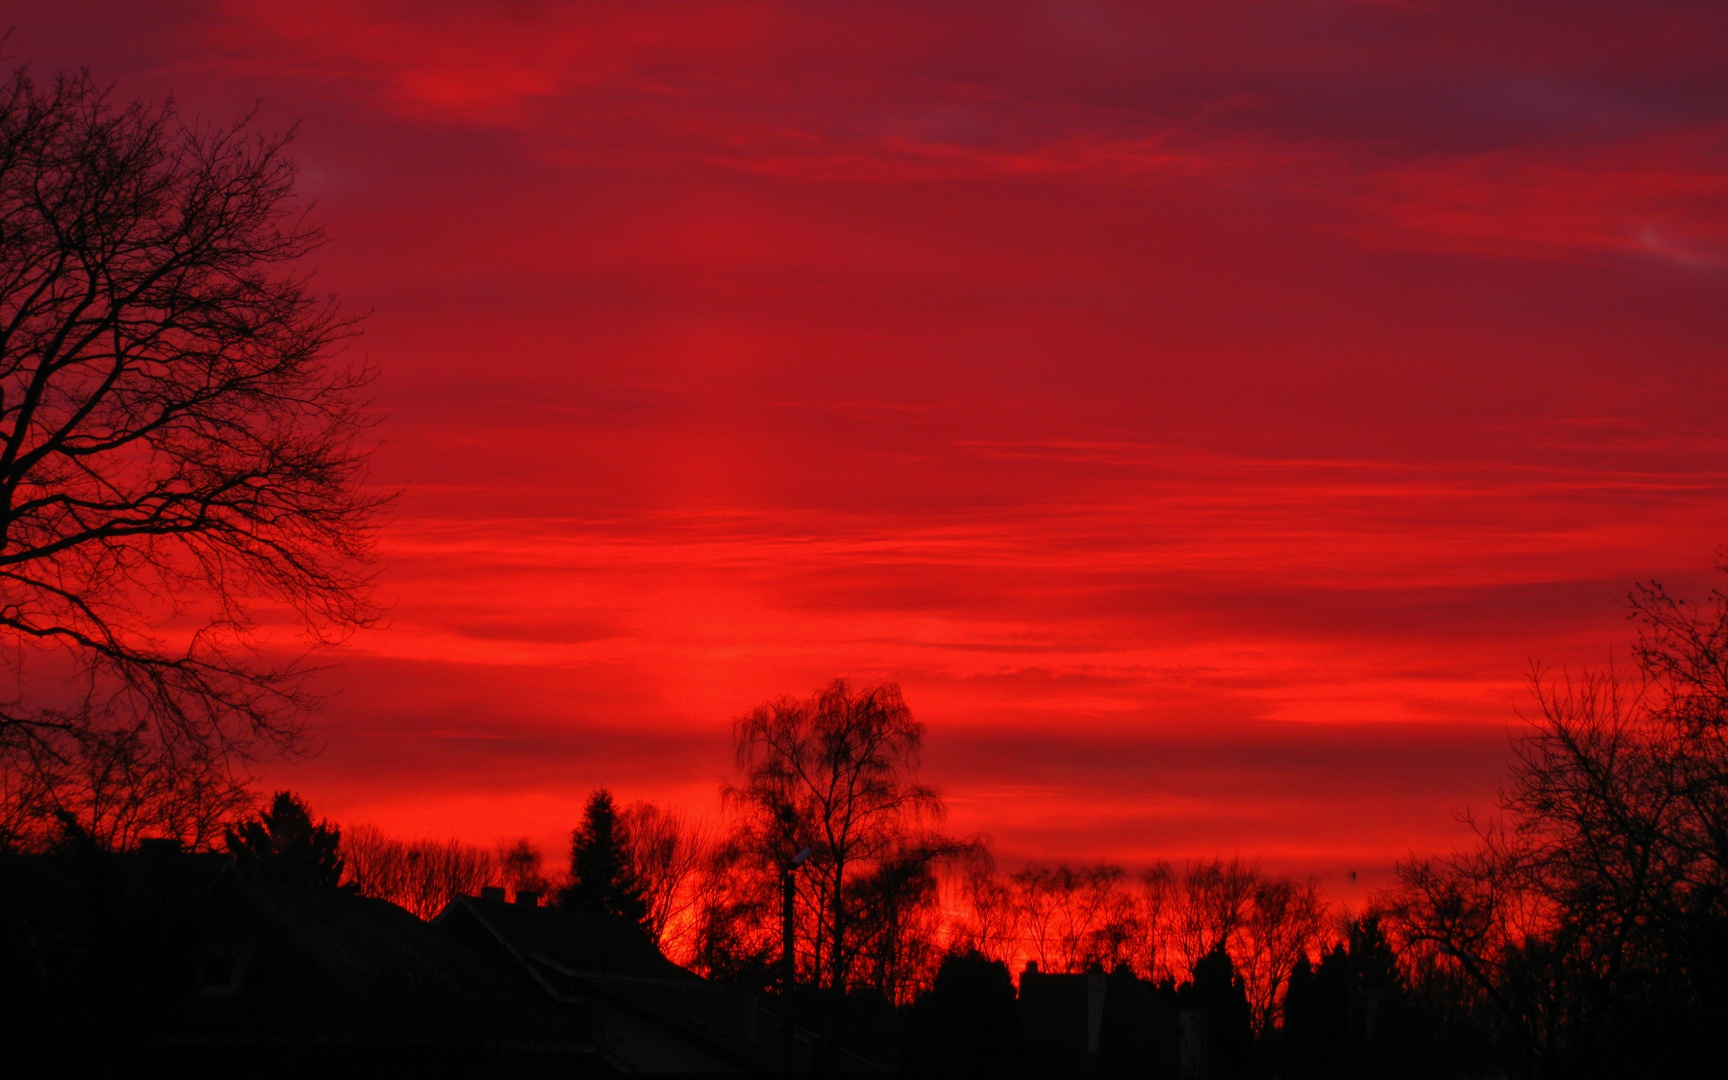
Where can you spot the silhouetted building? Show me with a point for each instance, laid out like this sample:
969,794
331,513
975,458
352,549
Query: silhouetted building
642,1012
1097,1025
158,961
968,1024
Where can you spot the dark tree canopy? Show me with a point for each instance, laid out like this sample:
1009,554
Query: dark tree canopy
284,845
180,451
602,874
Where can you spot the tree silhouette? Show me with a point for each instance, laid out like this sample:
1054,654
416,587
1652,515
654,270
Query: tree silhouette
425,875
1352,1016
1217,994
1313,1028
519,867
834,773
119,787
966,1024
284,846
178,443
667,855
602,877
1592,915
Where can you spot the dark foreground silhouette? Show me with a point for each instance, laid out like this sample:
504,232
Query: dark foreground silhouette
165,961
175,963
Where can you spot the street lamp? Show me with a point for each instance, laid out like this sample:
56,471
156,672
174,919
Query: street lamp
788,958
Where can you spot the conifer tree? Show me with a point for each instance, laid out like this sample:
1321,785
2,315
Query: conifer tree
1216,992
602,874
284,846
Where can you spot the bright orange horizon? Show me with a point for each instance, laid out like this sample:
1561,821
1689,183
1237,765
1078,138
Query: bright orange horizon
1205,412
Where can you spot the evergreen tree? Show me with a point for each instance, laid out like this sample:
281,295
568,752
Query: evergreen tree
1352,1017
284,846
1319,1038
1382,1034
1217,994
1303,1037
602,873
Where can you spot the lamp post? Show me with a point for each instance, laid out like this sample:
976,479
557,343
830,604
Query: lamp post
788,955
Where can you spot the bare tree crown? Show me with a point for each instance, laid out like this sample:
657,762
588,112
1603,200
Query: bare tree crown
179,444
837,773
1608,864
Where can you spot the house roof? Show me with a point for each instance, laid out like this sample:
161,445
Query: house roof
137,935
577,956
378,968
583,943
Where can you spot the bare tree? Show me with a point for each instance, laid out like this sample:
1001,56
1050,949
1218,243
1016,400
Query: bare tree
180,448
1067,918
1595,904
116,785
422,876
1071,917
1213,906
521,866
1286,921
668,853
735,934
373,862
1155,951
985,918
834,772
898,924
1473,915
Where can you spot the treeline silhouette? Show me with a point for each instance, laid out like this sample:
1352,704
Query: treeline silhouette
1059,918
1584,934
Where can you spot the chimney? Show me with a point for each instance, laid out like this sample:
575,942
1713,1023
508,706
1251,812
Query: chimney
492,892
528,897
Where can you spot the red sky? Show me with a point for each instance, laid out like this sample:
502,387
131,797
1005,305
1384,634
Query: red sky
1205,411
